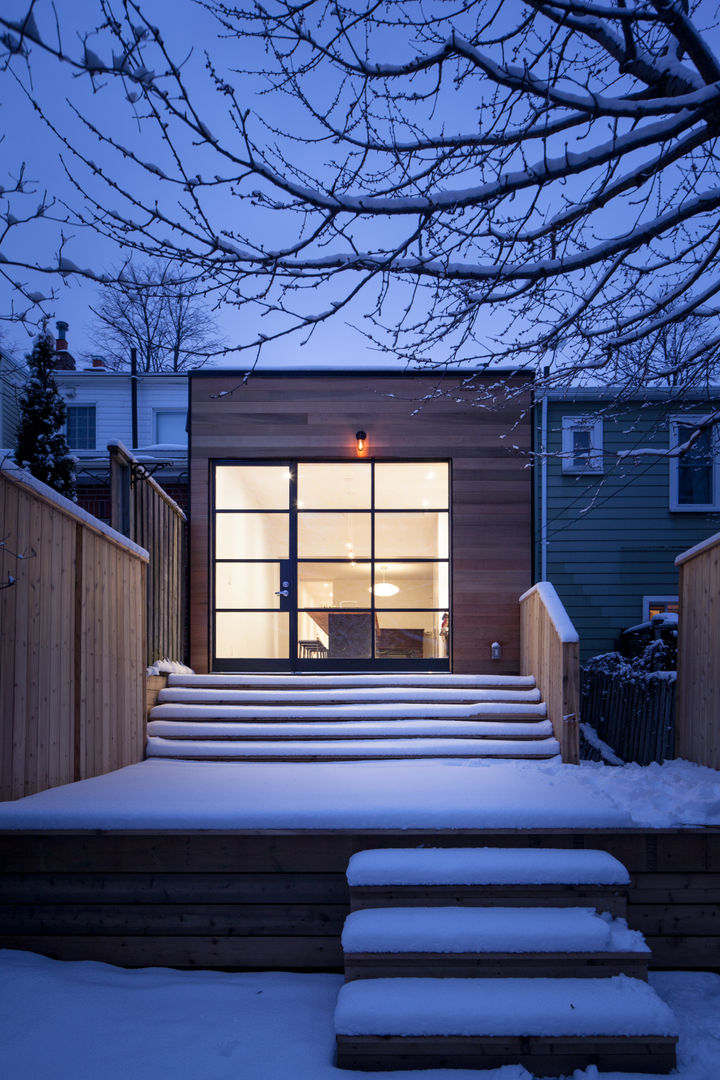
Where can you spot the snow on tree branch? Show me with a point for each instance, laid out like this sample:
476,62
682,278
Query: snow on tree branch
476,185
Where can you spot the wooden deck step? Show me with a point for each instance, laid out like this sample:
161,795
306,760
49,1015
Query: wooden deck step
494,711
549,1026
447,942
488,877
349,718
382,695
361,681
349,749
348,729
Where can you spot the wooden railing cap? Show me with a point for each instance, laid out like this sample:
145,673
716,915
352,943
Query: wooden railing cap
558,615
16,475
704,545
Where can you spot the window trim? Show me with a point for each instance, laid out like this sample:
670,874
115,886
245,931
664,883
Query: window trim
81,405
676,506
595,463
165,409
655,598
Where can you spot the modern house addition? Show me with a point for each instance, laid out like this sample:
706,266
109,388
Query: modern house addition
358,522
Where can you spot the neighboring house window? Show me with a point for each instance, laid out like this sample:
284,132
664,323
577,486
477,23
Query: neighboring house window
170,426
582,444
658,605
81,427
694,475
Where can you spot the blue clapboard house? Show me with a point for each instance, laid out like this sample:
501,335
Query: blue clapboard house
617,499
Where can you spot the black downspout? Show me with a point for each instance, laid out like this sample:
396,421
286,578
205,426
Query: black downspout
133,397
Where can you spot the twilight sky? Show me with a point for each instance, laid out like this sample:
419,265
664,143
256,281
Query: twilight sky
188,30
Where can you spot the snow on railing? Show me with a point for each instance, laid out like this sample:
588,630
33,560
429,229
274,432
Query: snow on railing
549,650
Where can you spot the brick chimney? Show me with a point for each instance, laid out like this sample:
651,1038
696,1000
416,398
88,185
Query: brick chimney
64,361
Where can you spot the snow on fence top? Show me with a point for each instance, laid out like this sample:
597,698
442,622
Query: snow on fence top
558,615
485,866
17,475
704,545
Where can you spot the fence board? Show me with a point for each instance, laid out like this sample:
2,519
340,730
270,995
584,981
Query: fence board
157,524
698,695
552,657
72,687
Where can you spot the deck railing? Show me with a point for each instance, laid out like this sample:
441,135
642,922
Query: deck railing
698,687
72,641
549,650
147,514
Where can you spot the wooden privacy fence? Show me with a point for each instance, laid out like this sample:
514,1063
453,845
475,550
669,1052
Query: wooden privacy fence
549,650
72,641
698,693
147,514
633,712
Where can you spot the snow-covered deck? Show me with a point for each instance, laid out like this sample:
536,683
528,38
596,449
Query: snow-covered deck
376,795
242,864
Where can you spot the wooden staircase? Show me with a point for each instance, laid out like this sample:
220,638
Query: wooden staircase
491,971
349,717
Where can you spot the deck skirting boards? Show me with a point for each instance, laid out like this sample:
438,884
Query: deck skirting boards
277,900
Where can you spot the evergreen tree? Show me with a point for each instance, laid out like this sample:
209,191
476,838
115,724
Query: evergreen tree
41,446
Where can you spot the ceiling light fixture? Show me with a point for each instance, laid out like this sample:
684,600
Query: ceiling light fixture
384,588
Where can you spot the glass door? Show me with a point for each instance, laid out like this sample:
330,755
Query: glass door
252,580
332,565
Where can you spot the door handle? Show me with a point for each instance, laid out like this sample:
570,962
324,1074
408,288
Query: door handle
283,592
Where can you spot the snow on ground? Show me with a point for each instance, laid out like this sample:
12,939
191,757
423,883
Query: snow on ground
85,1021
434,794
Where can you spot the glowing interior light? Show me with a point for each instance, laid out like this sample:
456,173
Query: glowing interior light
384,588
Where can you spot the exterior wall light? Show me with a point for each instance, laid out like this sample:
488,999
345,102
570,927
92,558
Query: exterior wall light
361,440
496,650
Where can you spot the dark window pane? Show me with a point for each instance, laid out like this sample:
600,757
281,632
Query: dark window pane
81,427
695,470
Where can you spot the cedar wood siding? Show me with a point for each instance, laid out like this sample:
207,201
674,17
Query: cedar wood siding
612,538
315,416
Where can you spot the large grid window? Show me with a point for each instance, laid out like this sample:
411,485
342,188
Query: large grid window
81,427
346,561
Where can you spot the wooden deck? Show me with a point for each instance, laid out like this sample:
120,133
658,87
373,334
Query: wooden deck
277,900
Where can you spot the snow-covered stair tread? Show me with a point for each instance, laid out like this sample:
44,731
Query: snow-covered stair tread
493,930
294,682
343,695
503,710
348,729
343,749
618,1006
484,866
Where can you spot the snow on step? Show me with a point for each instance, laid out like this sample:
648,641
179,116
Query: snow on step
617,1006
488,930
485,866
384,695
369,711
294,682
344,729
342,749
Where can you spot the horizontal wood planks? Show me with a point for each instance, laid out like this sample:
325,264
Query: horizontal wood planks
278,900
556,666
698,686
548,1055
408,417
71,646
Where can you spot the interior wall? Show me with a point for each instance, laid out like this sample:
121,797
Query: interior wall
314,416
